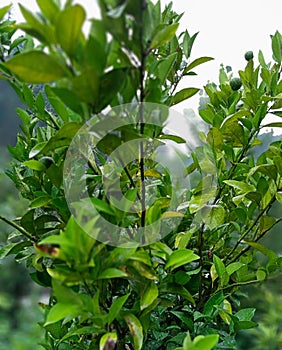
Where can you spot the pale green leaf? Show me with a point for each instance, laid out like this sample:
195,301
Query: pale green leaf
205,343
35,67
149,296
35,165
112,273
233,267
164,35
61,310
49,8
69,28
240,185
171,214
180,257
135,329
4,10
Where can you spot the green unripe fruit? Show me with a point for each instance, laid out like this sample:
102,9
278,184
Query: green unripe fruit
235,84
47,161
249,55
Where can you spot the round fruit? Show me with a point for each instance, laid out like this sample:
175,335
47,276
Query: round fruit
235,84
47,161
249,55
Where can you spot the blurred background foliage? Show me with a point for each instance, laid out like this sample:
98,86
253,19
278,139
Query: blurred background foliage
18,328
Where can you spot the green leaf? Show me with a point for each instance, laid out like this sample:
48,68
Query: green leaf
102,206
215,138
265,251
49,8
269,170
204,342
183,95
149,296
4,10
165,66
110,84
233,267
188,43
245,314
36,27
164,35
279,197
13,248
116,307
135,329
40,202
108,341
276,47
152,173
84,88
82,330
176,289
174,138
34,67
65,294
240,185
171,214
273,125
68,28
196,63
35,165
266,223
213,303
63,138
213,216
61,310
221,270
261,275
112,273
180,257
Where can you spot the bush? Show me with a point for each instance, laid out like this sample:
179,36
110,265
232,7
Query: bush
135,256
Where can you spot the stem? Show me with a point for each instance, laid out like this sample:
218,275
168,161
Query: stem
141,115
265,210
239,284
201,261
19,228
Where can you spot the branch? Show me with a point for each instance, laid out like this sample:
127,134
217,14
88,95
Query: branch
19,228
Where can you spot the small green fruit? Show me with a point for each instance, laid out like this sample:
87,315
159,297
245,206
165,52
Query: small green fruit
235,84
47,161
249,55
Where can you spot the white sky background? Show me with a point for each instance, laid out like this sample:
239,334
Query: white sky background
227,29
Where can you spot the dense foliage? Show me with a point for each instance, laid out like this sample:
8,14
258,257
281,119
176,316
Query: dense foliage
180,291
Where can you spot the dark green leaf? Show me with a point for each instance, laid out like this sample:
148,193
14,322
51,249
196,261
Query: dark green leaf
184,95
276,47
196,63
116,307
